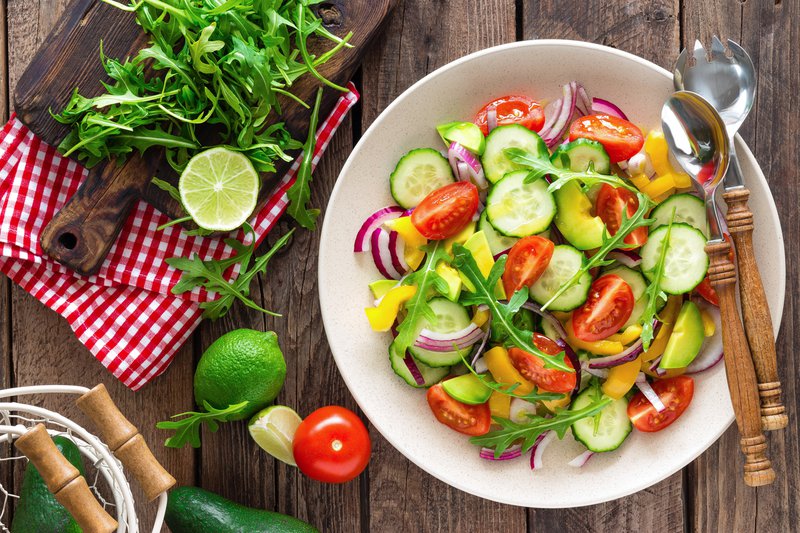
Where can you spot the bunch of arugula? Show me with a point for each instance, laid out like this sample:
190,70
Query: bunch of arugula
187,427
542,166
502,313
211,75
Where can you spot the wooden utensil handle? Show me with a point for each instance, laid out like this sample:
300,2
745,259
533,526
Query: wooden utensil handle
84,230
65,482
125,442
755,311
739,370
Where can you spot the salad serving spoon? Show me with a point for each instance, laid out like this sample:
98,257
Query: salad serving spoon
729,83
697,138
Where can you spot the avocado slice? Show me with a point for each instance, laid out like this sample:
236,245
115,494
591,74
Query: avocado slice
467,389
381,287
574,218
686,340
451,276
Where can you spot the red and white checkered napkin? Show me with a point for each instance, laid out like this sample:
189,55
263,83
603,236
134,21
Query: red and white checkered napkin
125,314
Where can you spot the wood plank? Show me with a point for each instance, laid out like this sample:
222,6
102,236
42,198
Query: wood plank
44,349
769,32
402,497
6,469
650,30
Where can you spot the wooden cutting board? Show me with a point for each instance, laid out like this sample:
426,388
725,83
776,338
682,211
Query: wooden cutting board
82,233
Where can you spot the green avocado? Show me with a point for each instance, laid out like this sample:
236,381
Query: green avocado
195,510
37,510
467,389
686,340
574,218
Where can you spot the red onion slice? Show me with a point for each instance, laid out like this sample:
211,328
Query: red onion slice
626,257
711,352
520,409
491,118
604,107
511,453
625,356
397,252
551,113
582,459
457,154
439,342
482,347
649,393
539,447
536,308
654,368
601,373
382,254
479,365
375,220
414,369
584,102
573,358
569,98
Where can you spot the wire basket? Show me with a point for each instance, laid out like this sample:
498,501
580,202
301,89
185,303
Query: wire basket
102,499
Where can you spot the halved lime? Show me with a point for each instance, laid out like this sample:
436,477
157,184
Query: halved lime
219,189
273,429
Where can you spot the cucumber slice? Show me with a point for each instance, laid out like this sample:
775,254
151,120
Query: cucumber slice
686,261
612,430
417,174
566,261
497,243
467,389
430,375
687,208
630,276
519,209
494,160
466,134
450,317
580,153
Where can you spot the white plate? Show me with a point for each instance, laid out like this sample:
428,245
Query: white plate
456,91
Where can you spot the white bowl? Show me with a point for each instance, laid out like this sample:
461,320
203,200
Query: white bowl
401,414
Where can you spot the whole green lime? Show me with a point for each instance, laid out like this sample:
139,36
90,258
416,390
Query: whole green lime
243,365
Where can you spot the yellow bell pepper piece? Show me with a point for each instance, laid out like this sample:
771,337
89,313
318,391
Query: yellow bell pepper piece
641,181
682,180
383,316
604,347
503,371
621,378
555,405
709,327
668,315
500,404
412,239
480,317
461,237
631,333
661,185
479,246
657,149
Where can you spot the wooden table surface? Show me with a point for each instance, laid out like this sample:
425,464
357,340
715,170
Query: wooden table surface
394,495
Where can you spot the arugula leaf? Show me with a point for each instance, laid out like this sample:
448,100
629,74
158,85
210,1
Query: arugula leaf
527,432
654,293
299,193
210,274
417,307
187,429
502,314
508,389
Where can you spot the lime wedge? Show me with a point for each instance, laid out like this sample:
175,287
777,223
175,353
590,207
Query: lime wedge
219,189
273,429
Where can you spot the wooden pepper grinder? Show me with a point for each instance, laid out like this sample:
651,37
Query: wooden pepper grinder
65,482
739,370
755,311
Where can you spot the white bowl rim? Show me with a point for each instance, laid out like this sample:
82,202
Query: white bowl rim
742,150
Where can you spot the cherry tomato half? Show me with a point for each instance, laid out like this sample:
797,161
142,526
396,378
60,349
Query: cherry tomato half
531,367
467,419
513,110
446,211
609,205
331,445
676,395
621,139
705,289
527,261
605,311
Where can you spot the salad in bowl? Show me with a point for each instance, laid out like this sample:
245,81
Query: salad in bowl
544,274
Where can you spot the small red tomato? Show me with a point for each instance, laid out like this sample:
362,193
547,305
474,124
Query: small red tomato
621,139
531,367
471,420
608,307
527,261
609,205
512,110
675,393
446,211
331,445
